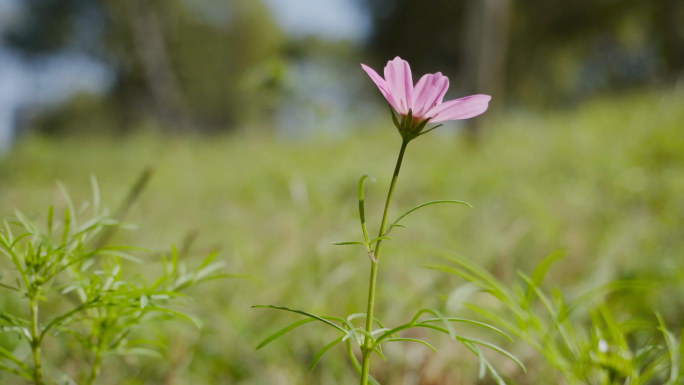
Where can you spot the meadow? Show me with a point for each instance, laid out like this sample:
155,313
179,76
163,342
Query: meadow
601,182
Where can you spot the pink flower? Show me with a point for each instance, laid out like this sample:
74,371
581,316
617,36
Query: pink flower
423,102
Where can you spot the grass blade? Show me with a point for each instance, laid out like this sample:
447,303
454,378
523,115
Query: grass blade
362,209
302,312
284,330
324,350
399,339
424,205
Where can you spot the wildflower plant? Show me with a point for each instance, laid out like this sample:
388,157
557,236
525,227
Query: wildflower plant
71,285
413,108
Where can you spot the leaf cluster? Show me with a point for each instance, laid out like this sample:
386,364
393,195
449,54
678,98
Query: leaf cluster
581,338
352,335
372,244
77,286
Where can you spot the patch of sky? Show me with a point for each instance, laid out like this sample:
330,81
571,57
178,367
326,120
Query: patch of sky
321,92
11,13
44,82
29,84
328,19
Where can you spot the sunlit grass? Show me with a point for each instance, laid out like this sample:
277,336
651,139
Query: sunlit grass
603,181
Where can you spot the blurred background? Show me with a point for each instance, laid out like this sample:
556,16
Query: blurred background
204,66
257,120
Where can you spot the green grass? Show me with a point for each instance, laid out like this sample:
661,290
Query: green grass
603,181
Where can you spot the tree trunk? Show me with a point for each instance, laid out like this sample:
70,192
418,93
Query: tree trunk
150,51
668,19
485,51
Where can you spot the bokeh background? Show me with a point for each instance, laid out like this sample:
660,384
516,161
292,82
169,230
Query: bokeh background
256,121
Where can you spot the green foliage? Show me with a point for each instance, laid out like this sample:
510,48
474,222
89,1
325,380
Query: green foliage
602,180
228,69
370,341
556,50
193,66
352,335
581,338
73,286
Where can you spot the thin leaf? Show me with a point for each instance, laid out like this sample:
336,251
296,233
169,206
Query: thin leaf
495,317
357,335
439,315
400,339
362,210
324,350
348,243
177,313
58,321
389,333
378,350
379,238
484,363
25,374
479,276
9,287
472,322
356,363
608,288
552,310
429,129
673,352
50,217
8,355
394,118
283,331
540,273
424,205
319,318
118,254
495,348
209,259
354,316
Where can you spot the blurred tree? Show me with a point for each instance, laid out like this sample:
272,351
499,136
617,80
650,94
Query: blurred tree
47,25
557,50
141,52
190,65
485,46
192,62
668,25
426,33
559,43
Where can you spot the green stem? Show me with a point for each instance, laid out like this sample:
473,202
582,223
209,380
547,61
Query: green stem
35,341
367,349
95,370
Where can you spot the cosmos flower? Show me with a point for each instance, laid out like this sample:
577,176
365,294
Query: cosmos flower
422,103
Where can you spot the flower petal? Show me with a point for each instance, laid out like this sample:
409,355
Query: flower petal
400,84
382,85
463,108
429,92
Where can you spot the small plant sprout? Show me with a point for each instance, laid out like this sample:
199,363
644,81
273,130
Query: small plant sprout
413,108
70,284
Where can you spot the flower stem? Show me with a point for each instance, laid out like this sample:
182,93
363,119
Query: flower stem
35,341
367,349
95,370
